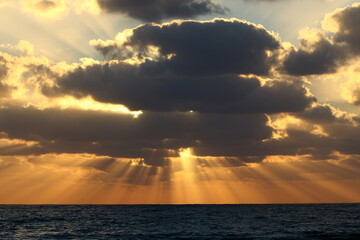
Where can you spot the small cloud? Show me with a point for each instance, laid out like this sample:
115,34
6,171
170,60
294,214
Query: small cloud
45,8
23,48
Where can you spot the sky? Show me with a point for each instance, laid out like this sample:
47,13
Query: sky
179,101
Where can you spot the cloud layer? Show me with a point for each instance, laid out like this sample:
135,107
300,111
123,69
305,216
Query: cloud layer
157,10
238,96
111,134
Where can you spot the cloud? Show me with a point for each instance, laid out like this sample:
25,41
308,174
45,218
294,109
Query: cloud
348,78
318,133
157,10
325,57
45,5
238,109
5,89
332,49
348,31
136,88
194,47
23,48
324,114
352,92
297,142
152,136
20,79
45,8
202,74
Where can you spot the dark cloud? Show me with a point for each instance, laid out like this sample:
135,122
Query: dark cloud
341,133
324,114
206,74
152,136
349,32
212,47
297,143
330,52
157,10
325,58
201,75
139,90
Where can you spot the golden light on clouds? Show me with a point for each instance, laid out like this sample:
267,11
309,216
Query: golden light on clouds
330,22
176,111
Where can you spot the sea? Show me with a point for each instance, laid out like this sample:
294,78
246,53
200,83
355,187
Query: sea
271,221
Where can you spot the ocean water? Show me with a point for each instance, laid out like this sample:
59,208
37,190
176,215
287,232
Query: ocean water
308,221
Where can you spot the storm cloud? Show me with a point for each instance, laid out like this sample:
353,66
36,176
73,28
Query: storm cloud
156,10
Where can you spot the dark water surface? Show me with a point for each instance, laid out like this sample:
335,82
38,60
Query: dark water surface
308,221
